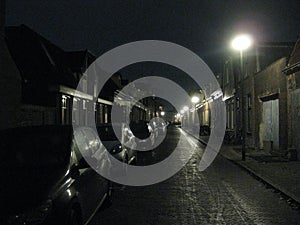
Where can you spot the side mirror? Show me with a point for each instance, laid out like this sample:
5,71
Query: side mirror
74,172
82,163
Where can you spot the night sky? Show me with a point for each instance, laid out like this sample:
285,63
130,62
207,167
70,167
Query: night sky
205,27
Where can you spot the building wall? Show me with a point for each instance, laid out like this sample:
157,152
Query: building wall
32,115
294,125
270,84
231,87
239,89
249,111
293,88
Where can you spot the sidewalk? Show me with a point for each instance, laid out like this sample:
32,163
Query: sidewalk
280,173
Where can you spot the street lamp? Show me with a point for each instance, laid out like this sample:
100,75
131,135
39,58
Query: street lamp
162,113
195,99
242,43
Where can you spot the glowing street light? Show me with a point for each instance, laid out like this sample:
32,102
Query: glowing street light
195,99
162,113
241,42
185,108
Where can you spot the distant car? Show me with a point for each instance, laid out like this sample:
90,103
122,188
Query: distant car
45,179
158,126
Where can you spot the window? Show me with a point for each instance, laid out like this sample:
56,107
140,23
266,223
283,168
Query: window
83,83
101,113
230,114
65,110
64,102
75,112
83,104
105,114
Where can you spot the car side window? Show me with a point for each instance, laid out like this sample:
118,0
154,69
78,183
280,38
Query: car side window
79,142
76,154
92,140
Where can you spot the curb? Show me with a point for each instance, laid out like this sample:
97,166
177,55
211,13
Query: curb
256,174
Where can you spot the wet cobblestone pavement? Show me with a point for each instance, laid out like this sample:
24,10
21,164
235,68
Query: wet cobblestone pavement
223,194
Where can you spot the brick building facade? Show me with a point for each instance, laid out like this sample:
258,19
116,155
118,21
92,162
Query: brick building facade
292,73
251,95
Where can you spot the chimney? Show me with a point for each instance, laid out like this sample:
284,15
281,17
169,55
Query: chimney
10,81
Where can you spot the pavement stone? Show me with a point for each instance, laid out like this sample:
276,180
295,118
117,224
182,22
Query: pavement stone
222,194
283,175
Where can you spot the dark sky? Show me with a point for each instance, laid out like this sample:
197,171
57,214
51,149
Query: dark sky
205,27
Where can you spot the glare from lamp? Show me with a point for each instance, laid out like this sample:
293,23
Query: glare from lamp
195,99
241,42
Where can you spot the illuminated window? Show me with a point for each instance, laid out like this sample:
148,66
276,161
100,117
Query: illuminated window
83,104
64,102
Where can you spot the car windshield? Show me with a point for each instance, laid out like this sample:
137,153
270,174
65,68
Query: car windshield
33,149
106,133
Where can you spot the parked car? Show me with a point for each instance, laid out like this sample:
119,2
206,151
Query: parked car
45,179
113,145
158,126
141,130
204,130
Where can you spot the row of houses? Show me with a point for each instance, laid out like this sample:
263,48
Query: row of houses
264,98
40,79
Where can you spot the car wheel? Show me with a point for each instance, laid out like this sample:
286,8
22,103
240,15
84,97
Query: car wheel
74,217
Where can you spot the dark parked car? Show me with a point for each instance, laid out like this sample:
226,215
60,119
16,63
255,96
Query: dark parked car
204,130
45,179
113,145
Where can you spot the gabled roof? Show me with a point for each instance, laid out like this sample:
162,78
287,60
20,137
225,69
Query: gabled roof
294,61
42,64
79,61
295,56
37,58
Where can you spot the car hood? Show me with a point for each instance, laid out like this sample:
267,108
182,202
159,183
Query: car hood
110,144
24,189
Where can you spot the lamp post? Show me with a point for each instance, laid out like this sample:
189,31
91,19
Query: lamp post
241,43
195,99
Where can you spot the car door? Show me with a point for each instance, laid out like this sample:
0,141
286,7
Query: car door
90,185
99,184
84,182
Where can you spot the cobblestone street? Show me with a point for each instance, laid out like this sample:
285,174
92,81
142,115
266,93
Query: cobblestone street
223,194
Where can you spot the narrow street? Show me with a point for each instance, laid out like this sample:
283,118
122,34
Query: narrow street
223,194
